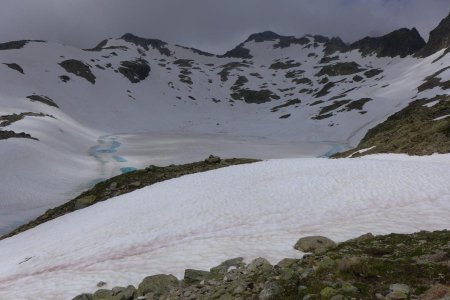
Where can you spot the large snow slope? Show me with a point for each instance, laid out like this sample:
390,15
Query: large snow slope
199,220
102,129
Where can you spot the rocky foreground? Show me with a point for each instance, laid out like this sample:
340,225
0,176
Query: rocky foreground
394,266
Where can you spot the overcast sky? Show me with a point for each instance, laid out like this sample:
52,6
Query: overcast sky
211,25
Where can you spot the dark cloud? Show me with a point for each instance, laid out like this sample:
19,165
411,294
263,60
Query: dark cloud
211,25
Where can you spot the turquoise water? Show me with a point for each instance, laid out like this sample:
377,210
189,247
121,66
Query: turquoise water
127,170
103,148
333,150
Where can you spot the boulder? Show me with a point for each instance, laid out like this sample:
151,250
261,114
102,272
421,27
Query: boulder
83,297
224,266
271,291
194,276
314,244
213,159
158,285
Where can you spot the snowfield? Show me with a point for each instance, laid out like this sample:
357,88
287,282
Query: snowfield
199,220
183,111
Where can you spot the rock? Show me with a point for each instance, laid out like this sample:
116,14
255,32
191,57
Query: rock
362,238
102,294
101,283
314,244
328,292
287,262
396,296
259,265
213,159
127,293
136,70
439,39
157,284
348,288
113,186
84,202
399,287
224,266
326,263
401,42
271,291
78,68
437,291
135,184
194,276
348,263
83,297
337,297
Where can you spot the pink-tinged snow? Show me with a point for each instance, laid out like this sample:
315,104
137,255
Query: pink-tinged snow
199,220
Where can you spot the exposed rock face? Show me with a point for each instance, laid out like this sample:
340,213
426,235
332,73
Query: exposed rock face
135,71
263,37
145,43
14,66
338,69
401,42
17,44
439,38
78,68
42,99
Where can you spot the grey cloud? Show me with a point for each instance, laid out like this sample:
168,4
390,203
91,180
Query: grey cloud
211,25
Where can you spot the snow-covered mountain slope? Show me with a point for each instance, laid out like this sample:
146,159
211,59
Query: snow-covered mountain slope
199,220
67,114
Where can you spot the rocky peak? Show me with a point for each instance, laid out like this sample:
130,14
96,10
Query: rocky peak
145,43
263,37
439,38
401,42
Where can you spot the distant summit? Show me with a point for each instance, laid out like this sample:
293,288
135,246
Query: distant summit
439,38
401,42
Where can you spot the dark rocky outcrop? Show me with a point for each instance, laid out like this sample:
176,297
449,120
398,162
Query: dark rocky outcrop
43,99
146,43
7,134
341,68
15,67
17,44
255,96
78,68
238,52
335,44
286,104
136,70
6,120
439,39
401,42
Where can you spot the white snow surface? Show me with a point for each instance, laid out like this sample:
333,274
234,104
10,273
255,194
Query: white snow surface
199,220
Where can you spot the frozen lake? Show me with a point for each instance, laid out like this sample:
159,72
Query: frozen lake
120,153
